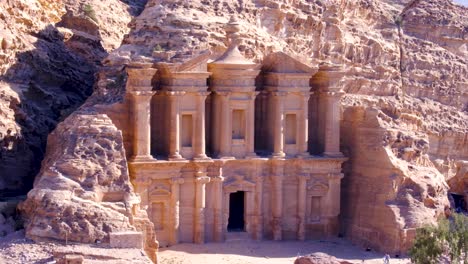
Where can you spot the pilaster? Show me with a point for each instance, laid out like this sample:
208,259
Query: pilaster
200,198
277,203
175,203
218,206
301,204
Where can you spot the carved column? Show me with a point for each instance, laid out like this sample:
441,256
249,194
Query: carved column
225,137
199,227
301,205
175,202
141,125
251,126
332,124
278,148
200,127
303,126
218,206
174,134
259,209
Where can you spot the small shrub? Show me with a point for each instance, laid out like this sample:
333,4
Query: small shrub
118,82
89,12
398,21
449,238
158,48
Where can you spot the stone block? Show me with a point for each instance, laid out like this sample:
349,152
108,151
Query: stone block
126,239
70,259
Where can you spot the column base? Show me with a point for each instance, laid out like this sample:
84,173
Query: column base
304,155
278,155
141,158
176,157
252,155
201,157
333,154
226,157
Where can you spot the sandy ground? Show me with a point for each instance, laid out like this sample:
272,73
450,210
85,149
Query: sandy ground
16,249
267,252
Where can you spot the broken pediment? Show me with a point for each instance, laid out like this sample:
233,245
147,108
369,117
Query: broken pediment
197,63
281,62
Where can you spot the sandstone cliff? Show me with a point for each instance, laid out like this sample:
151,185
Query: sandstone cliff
404,118
49,54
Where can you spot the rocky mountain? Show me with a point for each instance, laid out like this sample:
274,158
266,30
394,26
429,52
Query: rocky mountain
404,117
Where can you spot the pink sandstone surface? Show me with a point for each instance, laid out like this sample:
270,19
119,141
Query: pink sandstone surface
404,122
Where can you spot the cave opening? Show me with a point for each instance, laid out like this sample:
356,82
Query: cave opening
459,202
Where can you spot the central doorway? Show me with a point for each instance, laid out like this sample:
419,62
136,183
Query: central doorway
236,212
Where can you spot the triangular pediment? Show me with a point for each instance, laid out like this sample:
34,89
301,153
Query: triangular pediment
318,189
159,191
239,184
281,62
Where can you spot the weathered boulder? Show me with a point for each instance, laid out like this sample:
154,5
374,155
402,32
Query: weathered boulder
83,192
320,258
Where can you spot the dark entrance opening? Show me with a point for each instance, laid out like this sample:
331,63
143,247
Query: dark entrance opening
236,212
459,201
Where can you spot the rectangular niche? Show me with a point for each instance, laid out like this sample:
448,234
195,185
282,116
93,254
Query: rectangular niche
238,124
290,129
157,215
186,131
315,209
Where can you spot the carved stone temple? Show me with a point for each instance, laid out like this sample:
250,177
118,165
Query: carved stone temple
223,145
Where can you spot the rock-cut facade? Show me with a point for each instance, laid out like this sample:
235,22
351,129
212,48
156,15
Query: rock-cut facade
221,146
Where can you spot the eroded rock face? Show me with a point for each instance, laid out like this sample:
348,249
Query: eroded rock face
393,186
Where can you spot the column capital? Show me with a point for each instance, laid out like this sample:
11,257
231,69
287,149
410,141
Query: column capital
306,94
279,93
335,176
177,180
223,93
142,93
173,93
203,93
277,177
303,176
140,77
202,180
218,179
253,95
335,94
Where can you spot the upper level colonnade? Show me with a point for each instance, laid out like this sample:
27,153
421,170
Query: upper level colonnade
231,107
